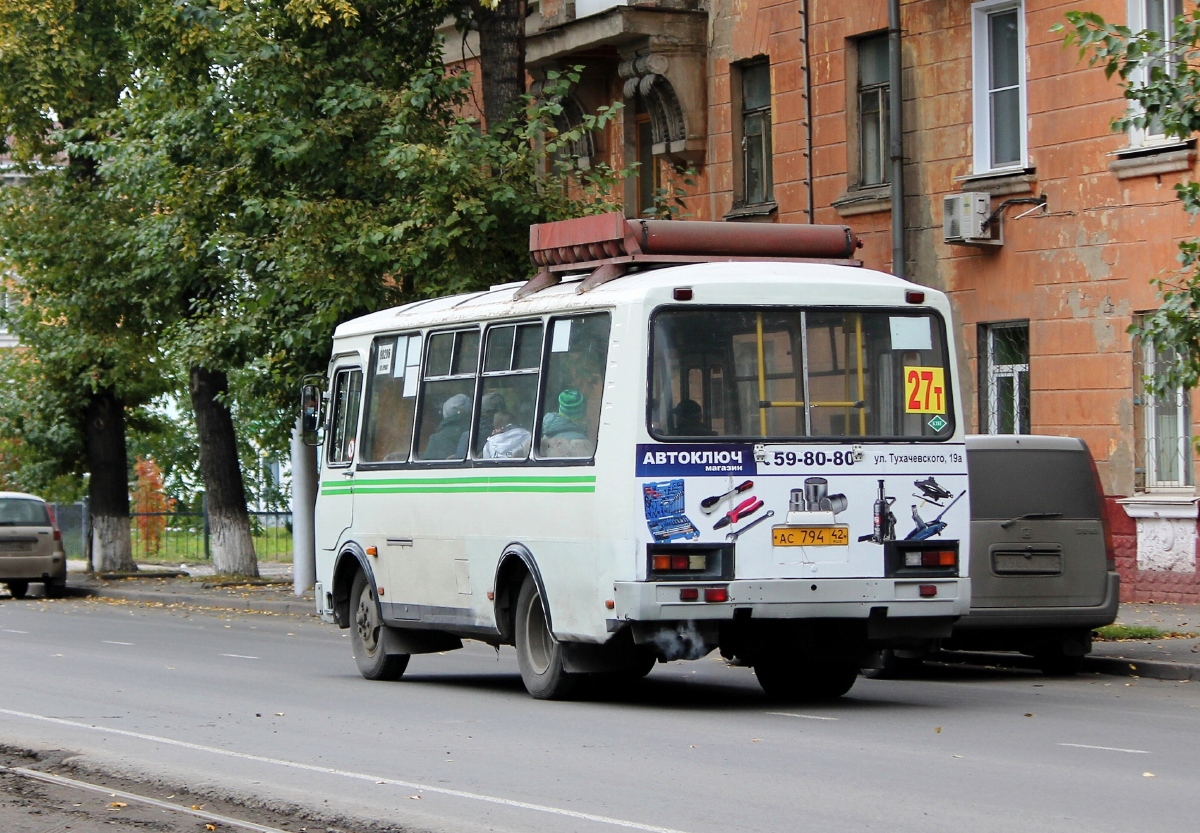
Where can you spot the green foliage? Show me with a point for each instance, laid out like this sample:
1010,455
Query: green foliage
670,200
1166,96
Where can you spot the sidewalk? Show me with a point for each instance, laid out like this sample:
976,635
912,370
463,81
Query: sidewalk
196,586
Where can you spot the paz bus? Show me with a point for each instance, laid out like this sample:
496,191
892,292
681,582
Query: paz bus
677,438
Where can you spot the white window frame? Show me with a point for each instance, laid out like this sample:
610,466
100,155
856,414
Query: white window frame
1142,137
1182,443
980,14
994,372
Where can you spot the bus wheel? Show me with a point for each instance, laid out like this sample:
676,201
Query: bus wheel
366,632
794,680
539,656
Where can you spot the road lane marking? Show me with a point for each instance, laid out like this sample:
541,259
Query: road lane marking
114,642
238,656
1107,748
7,630
153,802
804,716
357,776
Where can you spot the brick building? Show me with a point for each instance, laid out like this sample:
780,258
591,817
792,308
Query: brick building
784,110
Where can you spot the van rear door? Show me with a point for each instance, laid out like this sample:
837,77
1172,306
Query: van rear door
1037,539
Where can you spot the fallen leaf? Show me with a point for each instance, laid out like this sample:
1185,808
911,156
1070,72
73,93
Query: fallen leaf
755,740
279,714
415,797
116,805
195,806
210,827
1029,714
1147,774
938,730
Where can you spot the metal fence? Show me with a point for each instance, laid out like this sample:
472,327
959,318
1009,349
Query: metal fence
175,536
185,536
71,518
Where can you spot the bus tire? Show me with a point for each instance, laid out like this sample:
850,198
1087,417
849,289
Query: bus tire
366,635
794,680
539,656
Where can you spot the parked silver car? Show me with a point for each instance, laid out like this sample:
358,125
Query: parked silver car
31,548
1043,575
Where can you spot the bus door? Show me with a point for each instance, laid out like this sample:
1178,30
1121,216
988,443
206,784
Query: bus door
335,502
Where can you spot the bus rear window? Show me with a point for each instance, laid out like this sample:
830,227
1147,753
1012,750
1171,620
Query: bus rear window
785,372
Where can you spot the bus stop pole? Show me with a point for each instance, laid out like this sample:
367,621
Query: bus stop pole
304,500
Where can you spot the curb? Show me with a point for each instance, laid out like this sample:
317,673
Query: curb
303,607
1109,666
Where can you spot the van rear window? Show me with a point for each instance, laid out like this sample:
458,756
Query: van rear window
23,512
1009,483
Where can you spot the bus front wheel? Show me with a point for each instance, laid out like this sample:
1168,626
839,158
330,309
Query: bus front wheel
790,679
366,635
539,656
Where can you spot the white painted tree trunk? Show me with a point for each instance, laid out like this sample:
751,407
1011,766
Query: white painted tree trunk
231,544
111,550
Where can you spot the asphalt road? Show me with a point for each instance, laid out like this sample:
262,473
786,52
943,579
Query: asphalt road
270,711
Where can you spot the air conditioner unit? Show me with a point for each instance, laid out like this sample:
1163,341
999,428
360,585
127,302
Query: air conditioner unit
964,216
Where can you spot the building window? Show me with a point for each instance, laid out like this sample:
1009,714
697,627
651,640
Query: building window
873,68
1164,423
648,177
1004,378
753,102
1154,16
998,41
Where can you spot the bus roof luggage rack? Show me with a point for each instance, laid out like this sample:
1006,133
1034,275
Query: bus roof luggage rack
609,245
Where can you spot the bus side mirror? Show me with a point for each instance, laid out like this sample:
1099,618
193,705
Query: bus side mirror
310,414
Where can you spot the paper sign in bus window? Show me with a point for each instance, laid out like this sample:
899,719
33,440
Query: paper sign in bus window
911,333
383,365
924,390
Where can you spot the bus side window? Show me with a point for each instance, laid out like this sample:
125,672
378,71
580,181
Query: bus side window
508,404
447,395
574,386
391,399
343,426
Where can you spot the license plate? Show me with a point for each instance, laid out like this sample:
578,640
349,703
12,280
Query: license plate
810,536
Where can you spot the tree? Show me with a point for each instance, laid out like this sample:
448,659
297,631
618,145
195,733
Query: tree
1165,93
62,62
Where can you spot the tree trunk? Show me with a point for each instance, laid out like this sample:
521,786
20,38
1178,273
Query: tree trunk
229,523
108,486
502,59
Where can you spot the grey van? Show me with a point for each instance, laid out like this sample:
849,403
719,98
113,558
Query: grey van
31,548
1043,573
1042,570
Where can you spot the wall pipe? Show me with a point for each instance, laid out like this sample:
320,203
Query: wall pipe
896,137
808,115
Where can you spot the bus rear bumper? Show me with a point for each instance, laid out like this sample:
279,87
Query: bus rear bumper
660,601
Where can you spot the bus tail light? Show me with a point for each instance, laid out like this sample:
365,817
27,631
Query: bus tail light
716,594
928,590
938,558
689,594
689,561
931,558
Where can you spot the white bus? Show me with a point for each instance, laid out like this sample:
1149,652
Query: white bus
638,457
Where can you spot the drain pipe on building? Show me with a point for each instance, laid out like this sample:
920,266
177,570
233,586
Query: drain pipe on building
896,138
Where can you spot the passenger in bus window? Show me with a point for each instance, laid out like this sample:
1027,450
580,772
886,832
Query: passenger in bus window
689,420
508,440
447,443
563,433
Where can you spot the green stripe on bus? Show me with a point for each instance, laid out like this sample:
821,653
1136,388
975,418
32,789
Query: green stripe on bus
414,490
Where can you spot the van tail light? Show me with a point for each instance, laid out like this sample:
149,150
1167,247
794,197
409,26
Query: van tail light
57,534
1109,550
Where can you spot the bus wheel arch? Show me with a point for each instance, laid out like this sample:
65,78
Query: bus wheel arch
516,563
352,561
